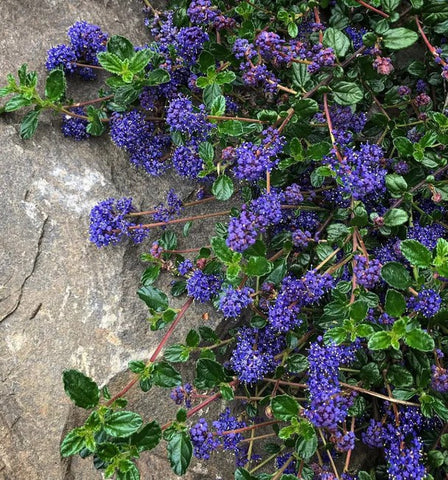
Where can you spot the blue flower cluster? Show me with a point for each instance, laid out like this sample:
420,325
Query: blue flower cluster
294,295
132,132
233,301
203,287
108,223
86,41
254,354
328,406
74,127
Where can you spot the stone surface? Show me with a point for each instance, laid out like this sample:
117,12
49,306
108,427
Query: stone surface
64,303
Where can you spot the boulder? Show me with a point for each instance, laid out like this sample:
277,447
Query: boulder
64,303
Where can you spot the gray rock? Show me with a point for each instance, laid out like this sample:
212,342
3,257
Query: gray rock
63,302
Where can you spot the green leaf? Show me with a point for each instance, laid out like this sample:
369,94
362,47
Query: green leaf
399,38
347,93
284,407
193,338
395,217
222,251
396,275
177,353
122,424
300,75
420,340
218,106
210,93
55,85
335,39
150,275
147,438
72,443
209,374
222,188
157,77
82,390
225,77
258,266
121,47
111,62
140,60
399,376
416,253
306,443
154,298
380,341
17,102
29,124
166,376
242,474
395,304
180,451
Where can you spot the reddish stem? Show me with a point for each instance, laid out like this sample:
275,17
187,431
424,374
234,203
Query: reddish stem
165,338
379,12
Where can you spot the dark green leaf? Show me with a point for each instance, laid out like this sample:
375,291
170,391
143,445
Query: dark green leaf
395,304
398,38
284,407
157,77
416,253
147,438
121,47
166,376
177,353
209,374
17,102
347,93
29,124
222,188
335,39
258,266
420,340
55,85
395,217
396,275
82,390
180,451
122,424
154,298
72,443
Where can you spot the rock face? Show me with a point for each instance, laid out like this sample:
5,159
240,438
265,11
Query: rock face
64,303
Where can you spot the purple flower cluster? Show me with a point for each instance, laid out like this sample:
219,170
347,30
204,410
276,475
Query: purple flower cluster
182,394
252,160
294,295
254,354
172,208
204,443
86,41
203,287
254,219
108,223
439,379
74,127
132,132
182,117
367,271
427,302
327,406
232,301
361,171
